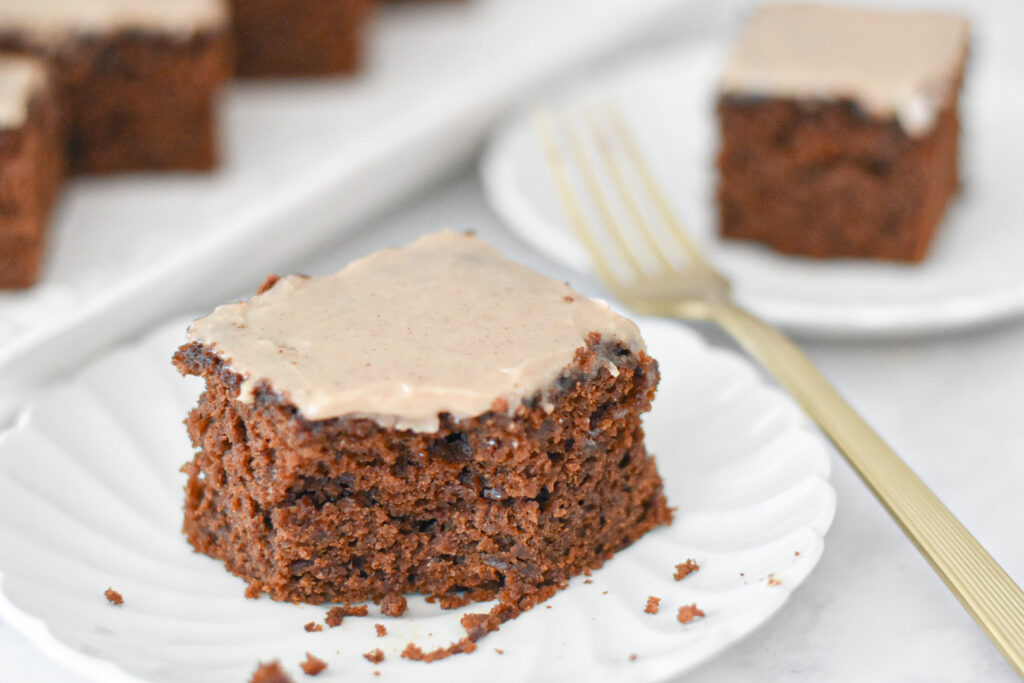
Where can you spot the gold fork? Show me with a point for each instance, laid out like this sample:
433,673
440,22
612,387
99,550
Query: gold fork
696,291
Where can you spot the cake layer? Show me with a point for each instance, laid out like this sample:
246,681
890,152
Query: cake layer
498,505
445,325
31,167
826,183
137,101
299,37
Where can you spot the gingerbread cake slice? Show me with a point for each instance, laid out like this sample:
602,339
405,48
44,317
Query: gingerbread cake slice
432,419
839,130
138,77
31,166
299,37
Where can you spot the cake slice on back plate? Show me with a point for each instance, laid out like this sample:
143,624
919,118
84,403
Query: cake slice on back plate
138,78
840,129
432,419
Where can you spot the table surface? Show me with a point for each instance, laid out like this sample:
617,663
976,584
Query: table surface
872,610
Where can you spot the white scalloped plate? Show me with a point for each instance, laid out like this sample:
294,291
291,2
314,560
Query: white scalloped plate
90,497
972,276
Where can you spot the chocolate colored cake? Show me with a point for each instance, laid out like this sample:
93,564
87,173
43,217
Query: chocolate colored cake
839,130
31,166
432,419
299,37
138,77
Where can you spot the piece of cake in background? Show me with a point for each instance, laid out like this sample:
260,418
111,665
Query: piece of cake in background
299,37
839,130
432,419
138,78
31,166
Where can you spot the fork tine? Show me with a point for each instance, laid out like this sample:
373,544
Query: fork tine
676,227
556,163
626,194
589,175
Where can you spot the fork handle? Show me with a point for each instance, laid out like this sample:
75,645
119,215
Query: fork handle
990,596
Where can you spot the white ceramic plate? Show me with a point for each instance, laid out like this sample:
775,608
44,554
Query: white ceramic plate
90,497
972,276
305,160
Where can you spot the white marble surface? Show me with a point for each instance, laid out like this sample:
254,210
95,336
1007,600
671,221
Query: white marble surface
873,610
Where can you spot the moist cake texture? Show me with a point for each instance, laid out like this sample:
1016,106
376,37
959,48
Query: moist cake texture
432,419
839,130
138,79
299,37
31,166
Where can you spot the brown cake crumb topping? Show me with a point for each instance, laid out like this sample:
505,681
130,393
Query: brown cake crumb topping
393,605
337,614
685,569
334,617
652,605
688,613
375,656
312,627
313,665
113,597
381,630
416,654
270,672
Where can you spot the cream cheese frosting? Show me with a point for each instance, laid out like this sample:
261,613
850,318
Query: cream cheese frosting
902,65
444,325
20,79
53,20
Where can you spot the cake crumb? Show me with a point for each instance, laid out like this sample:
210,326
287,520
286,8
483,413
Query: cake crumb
376,672
652,605
381,630
688,613
604,592
337,614
270,672
269,282
587,572
632,657
499,650
796,553
685,569
453,600
393,605
773,580
313,665
568,298
588,581
113,597
375,656
416,654
312,627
